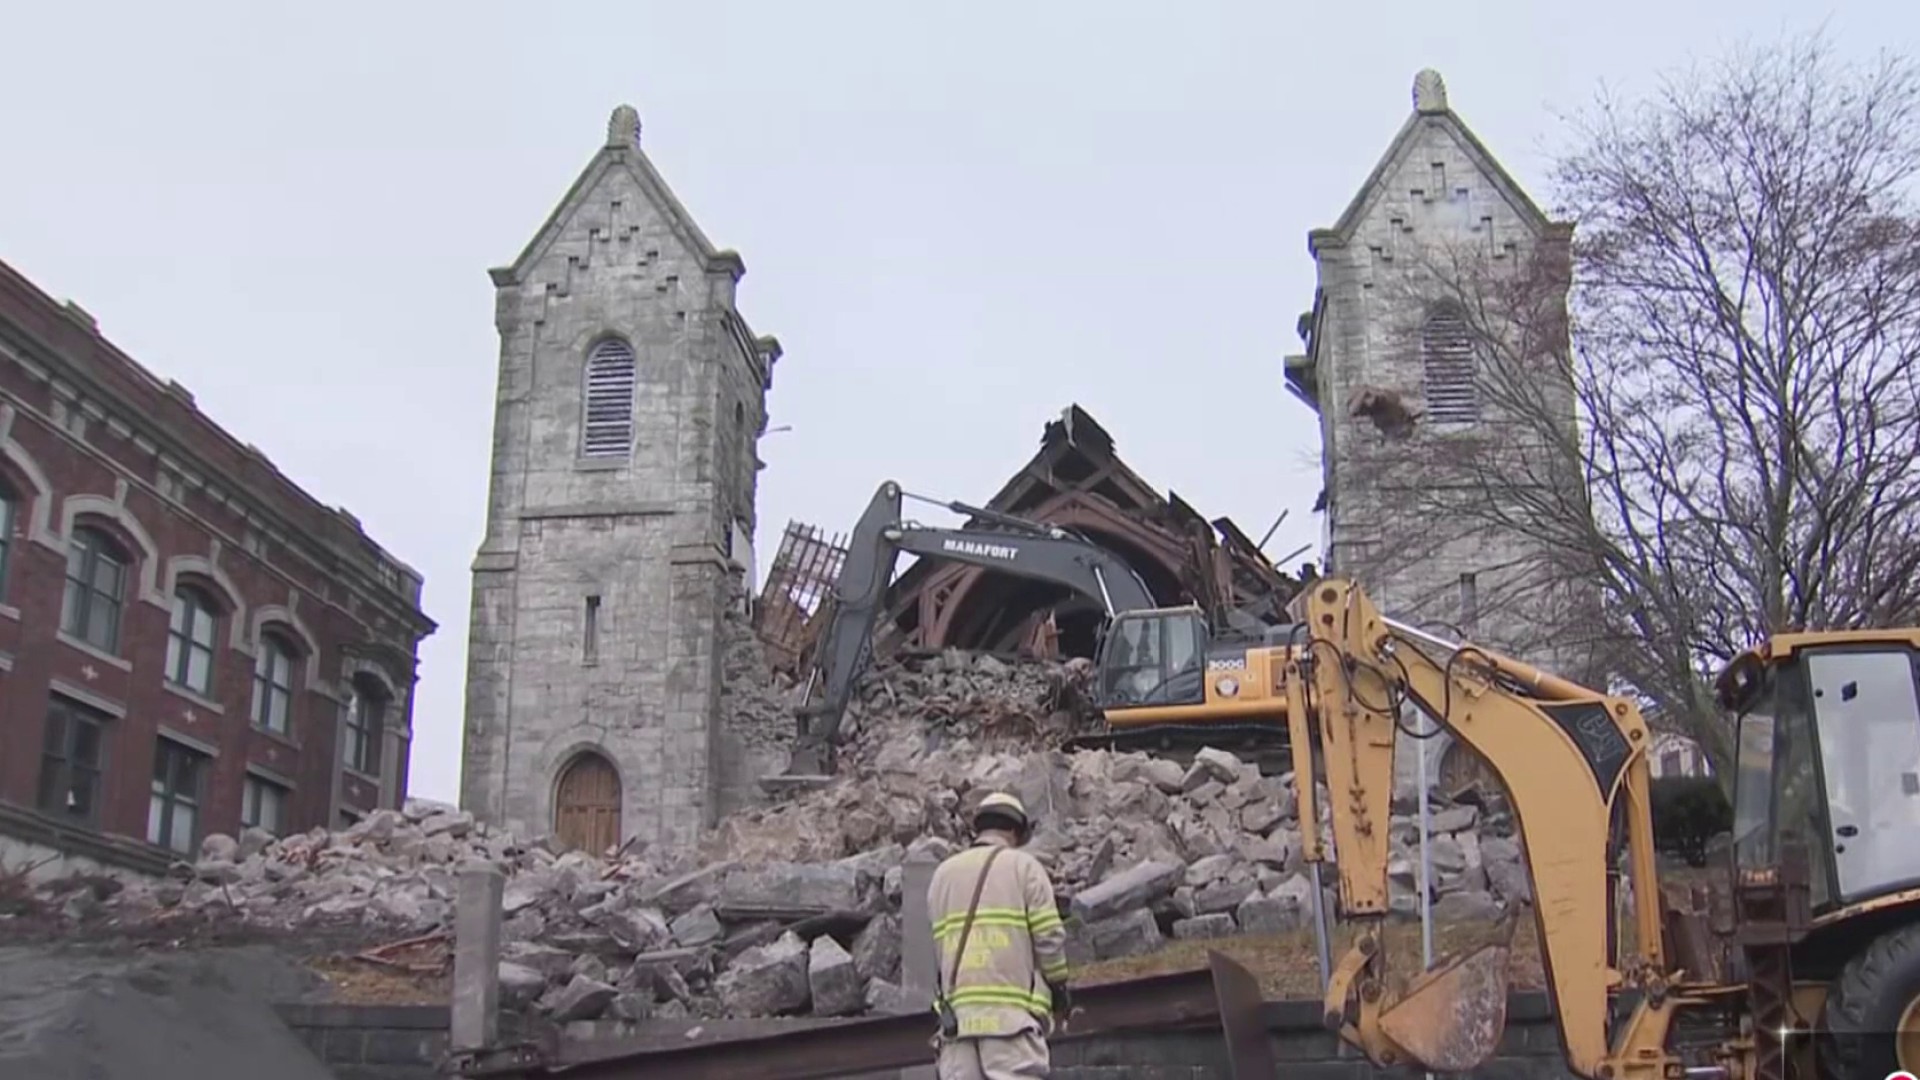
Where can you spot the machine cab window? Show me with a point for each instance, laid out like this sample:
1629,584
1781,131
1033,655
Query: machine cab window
1828,755
1154,658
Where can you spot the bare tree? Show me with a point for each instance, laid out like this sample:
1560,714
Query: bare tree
1731,444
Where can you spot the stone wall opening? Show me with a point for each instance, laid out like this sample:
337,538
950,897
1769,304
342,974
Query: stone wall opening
586,806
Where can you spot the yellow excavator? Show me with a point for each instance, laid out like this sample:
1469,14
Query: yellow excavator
1165,676
1818,969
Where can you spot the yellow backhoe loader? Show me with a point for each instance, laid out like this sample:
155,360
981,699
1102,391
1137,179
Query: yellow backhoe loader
1820,972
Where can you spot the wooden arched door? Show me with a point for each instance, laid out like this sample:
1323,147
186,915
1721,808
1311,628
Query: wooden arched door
586,814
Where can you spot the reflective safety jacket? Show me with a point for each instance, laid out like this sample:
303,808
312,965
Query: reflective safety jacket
1016,947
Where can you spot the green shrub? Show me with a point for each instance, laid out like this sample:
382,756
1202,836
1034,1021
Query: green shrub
1687,813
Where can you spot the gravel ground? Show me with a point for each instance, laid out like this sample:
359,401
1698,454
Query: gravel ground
78,1012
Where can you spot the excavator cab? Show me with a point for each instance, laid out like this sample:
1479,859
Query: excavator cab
1162,672
1828,756
1153,658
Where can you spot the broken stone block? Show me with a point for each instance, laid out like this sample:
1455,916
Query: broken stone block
1217,925
523,893
519,984
216,871
1079,944
832,980
1506,870
1259,914
1208,869
550,962
455,825
697,927
590,966
1221,896
1206,793
1297,890
876,950
688,891
630,1007
1469,880
1275,851
1453,819
1133,934
581,999
638,929
1217,765
1165,775
766,980
1135,887
1260,817
795,889
1473,906
890,999
253,841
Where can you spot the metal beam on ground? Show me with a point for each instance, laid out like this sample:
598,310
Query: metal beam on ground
893,1042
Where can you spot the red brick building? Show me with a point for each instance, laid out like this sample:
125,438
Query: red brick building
188,641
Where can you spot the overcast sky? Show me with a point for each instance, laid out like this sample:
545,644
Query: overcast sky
291,210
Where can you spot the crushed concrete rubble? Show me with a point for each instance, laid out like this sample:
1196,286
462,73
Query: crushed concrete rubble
795,908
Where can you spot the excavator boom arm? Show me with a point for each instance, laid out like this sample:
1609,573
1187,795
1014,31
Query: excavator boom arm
1566,756
1033,551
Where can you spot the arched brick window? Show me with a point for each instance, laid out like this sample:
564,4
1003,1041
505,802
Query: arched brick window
1447,364
607,430
96,589
273,663
190,639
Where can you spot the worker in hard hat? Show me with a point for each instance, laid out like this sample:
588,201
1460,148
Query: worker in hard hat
1002,951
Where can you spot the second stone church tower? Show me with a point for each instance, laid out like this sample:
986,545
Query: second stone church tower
1402,368
620,515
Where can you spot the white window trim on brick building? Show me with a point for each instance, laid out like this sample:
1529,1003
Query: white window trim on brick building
190,640
1448,368
606,426
263,805
273,684
173,810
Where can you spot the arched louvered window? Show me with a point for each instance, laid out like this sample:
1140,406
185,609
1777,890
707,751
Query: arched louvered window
608,430
1446,358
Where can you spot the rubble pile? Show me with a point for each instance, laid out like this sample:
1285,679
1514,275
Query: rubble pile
796,908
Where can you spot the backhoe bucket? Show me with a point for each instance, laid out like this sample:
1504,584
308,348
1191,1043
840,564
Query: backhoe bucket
1451,1018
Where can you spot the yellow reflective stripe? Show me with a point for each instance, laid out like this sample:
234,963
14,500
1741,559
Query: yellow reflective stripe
1014,996
1055,972
985,914
1042,921
946,932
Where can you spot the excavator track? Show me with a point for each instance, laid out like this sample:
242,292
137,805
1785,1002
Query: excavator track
1264,744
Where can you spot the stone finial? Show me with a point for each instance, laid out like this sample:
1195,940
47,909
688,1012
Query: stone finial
623,128
1429,92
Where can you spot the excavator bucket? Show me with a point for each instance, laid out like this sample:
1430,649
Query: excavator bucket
1451,1018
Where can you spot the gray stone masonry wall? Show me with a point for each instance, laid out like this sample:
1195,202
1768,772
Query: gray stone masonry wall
1433,202
650,534
373,1042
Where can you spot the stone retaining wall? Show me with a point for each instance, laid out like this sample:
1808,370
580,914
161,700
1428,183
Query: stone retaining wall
373,1042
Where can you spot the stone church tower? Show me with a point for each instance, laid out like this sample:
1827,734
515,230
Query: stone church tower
620,515
1398,369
